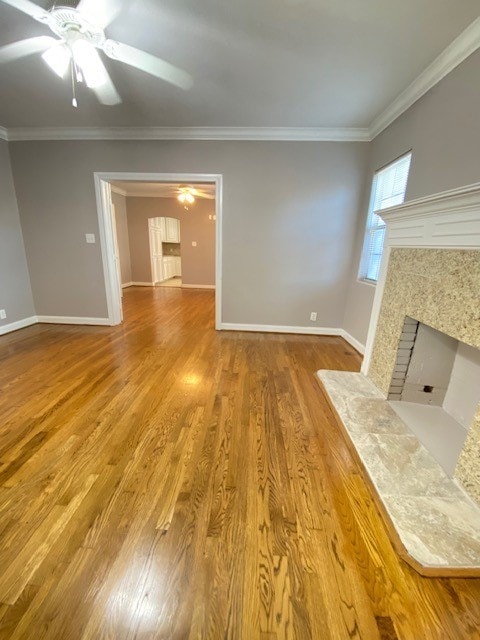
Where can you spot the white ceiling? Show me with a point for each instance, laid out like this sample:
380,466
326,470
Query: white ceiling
255,63
163,189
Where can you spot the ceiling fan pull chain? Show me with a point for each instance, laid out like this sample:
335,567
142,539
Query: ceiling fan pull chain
74,93
78,72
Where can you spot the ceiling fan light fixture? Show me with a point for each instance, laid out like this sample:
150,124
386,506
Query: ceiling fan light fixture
186,196
58,59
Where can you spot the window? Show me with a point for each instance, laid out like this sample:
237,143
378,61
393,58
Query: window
388,189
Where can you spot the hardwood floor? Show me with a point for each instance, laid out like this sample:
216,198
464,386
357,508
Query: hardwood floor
162,480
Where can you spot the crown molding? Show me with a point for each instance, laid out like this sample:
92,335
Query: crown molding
307,134
3,133
458,51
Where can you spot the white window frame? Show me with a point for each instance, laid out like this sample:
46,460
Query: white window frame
373,224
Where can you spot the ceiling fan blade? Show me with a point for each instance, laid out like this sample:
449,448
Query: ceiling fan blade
100,12
29,8
106,92
148,63
94,71
24,48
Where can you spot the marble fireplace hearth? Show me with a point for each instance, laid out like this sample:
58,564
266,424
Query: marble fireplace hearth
431,273
434,524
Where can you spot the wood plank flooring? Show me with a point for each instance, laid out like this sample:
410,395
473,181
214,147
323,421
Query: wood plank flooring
160,480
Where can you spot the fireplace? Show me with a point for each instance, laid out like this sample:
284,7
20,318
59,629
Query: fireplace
412,415
431,274
439,288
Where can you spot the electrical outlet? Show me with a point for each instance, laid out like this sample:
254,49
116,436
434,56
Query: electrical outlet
194,244
3,315
313,316
90,238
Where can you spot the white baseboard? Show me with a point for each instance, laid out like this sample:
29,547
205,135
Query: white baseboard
73,320
198,286
127,284
315,331
142,284
270,328
19,324
353,341
226,326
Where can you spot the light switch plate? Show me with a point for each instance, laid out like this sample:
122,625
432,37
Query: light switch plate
90,238
194,244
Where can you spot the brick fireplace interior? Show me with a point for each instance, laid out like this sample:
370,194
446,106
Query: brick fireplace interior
435,389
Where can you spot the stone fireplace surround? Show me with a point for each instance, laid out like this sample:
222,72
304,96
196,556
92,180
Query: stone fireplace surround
430,272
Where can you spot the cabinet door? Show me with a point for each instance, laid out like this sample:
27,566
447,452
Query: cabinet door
171,224
178,231
178,266
158,271
169,267
156,250
163,228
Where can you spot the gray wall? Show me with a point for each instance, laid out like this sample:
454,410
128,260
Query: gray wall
443,130
15,291
120,204
198,263
289,216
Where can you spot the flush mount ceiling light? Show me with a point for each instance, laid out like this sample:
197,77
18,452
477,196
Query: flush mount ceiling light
186,197
75,52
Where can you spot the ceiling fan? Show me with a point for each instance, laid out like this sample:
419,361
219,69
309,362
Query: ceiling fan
80,29
187,195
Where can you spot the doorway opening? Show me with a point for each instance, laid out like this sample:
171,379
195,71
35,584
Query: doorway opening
150,237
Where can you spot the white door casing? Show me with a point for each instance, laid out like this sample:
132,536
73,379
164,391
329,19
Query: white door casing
107,244
103,195
116,250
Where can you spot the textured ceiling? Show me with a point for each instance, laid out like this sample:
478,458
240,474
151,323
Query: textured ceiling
255,63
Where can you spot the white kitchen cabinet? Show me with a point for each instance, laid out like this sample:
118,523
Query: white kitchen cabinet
172,266
162,223
155,236
171,230
177,230
178,265
168,267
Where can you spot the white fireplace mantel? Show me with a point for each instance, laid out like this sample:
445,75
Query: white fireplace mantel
447,220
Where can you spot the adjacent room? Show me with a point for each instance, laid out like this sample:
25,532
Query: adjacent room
239,328
164,233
